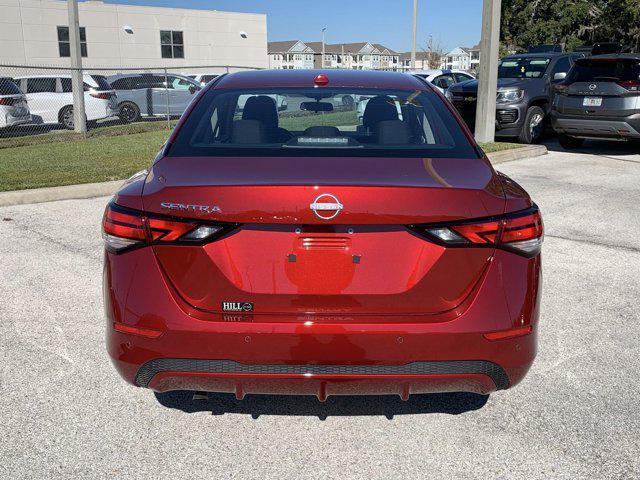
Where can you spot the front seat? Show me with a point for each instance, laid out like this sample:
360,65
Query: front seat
379,109
263,109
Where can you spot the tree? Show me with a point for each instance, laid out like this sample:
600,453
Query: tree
570,23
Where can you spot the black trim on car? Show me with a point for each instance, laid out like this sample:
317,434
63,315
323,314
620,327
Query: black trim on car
192,365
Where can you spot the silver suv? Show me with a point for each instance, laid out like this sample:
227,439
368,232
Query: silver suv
148,95
599,98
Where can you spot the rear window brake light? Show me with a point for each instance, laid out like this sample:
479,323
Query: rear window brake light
519,232
124,229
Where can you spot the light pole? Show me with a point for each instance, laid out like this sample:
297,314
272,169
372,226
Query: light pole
77,85
323,46
488,71
415,29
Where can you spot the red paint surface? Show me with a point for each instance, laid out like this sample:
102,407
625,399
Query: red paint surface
406,299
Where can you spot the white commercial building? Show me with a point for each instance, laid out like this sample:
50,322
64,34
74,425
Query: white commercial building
35,32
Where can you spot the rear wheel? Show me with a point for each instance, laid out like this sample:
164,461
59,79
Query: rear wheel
533,127
348,102
129,112
66,117
569,143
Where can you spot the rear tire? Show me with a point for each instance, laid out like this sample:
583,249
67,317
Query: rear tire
569,143
348,102
66,117
533,127
128,112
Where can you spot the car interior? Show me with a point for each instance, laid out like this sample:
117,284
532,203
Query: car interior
319,119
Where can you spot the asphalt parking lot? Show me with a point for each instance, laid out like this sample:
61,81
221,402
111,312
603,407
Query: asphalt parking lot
65,412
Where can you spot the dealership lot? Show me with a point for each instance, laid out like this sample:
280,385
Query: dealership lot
65,411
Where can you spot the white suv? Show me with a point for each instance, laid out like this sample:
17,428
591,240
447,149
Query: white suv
50,98
13,104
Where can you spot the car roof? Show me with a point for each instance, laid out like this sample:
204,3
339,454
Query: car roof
53,75
627,56
536,55
305,78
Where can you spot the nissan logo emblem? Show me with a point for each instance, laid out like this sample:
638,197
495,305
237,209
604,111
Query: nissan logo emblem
326,206
593,86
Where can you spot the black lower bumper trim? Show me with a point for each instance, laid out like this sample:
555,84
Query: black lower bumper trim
190,365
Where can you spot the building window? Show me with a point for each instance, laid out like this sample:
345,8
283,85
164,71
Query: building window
63,42
171,44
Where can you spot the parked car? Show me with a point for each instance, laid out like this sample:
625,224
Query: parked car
202,78
524,93
443,79
50,98
13,104
322,259
148,95
599,98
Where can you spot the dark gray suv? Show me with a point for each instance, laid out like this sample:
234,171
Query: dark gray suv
600,98
524,93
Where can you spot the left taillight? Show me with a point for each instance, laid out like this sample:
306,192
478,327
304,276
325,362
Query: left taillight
124,229
519,232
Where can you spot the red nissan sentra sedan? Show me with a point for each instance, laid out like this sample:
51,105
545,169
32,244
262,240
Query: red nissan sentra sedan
320,251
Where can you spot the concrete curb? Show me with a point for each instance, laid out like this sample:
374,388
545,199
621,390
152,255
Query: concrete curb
51,194
528,151
90,190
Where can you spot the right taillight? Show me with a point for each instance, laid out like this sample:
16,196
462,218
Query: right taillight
631,85
124,229
519,232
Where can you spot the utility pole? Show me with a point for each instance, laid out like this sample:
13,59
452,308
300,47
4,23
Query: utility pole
415,30
488,71
323,46
77,85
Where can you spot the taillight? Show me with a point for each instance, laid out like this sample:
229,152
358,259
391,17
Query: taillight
520,232
561,89
631,85
124,229
100,95
6,100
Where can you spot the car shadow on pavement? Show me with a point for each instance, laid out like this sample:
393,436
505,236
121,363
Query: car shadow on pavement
298,405
597,147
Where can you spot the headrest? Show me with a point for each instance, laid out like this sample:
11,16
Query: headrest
392,132
261,108
378,109
245,132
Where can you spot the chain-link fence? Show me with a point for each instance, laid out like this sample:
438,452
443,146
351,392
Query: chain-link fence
39,99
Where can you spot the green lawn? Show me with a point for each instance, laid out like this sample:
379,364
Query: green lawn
334,119
114,153
499,146
99,158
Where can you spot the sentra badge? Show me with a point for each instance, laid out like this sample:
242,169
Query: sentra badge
188,207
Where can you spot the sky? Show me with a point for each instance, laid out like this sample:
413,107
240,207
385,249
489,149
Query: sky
451,23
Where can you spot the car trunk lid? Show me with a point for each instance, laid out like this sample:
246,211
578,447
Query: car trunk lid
286,258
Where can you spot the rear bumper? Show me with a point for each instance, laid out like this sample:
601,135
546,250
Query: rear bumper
321,356
603,127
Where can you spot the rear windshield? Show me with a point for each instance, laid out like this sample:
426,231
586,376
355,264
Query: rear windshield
523,67
322,122
589,70
7,87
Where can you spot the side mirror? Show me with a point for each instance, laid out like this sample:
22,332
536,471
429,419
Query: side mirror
192,89
559,76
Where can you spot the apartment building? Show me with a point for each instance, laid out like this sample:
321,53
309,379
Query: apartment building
290,54
356,56
36,32
462,58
